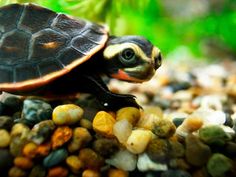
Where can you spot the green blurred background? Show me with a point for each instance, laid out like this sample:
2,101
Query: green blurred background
206,28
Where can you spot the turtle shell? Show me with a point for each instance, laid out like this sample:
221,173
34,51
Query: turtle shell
38,45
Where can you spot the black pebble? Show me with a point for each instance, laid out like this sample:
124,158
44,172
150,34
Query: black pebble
12,104
6,122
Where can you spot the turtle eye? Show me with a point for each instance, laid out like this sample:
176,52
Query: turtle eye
127,56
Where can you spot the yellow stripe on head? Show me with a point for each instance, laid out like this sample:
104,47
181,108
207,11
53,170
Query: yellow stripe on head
115,49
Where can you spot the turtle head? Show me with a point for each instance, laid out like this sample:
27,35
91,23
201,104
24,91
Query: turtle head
131,58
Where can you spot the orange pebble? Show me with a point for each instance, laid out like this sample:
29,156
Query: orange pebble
57,171
30,150
44,149
117,173
60,136
23,162
90,173
192,123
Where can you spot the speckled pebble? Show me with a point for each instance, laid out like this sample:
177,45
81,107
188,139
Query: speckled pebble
74,163
124,160
61,136
23,162
90,158
105,147
17,172
57,171
129,113
55,157
103,124
138,140
201,151
218,165
81,137
4,138
6,122
213,135
146,164
67,114
164,128
35,111
42,131
175,173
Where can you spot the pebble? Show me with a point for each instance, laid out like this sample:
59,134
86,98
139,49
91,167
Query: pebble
20,129
213,135
90,173
175,173
55,157
30,150
12,104
124,160
131,114
57,171
6,122
35,111
138,140
81,137
177,149
117,173
2,108
179,163
158,150
201,151
4,138
178,121
106,147
17,172
16,145
37,171
164,128
230,149
85,123
43,149
42,131
74,163
6,160
122,129
23,162
103,124
67,114
218,165
61,136
145,164
90,158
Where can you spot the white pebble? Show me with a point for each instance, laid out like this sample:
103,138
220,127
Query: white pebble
124,160
122,130
138,140
145,164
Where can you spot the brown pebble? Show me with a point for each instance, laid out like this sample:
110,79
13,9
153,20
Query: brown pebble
16,172
30,150
117,173
57,171
23,162
90,158
90,173
60,136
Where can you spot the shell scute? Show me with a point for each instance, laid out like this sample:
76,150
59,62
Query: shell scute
6,74
14,47
49,66
83,45
35,18
47,43
69,55
27,71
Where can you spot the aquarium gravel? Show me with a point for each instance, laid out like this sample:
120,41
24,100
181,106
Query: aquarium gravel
186,128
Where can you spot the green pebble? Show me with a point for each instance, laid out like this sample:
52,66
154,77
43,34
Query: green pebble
213,135
55,157
38,171
164,128
218,165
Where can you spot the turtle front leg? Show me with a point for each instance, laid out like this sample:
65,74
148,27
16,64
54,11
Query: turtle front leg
109,100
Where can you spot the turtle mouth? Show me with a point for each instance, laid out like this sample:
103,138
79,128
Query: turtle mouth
136,74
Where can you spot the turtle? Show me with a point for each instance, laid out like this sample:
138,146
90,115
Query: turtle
44,53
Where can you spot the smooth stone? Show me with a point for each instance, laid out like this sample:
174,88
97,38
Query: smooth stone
175,173
213,135
218,165
12,105
201,151
164,128
74,163
131,114
122,129
42,131
176,149
106,147
4,138
38,171
124,160
55,157
6,160
16,145
35,111
178,121
17,172
145,164
6,122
